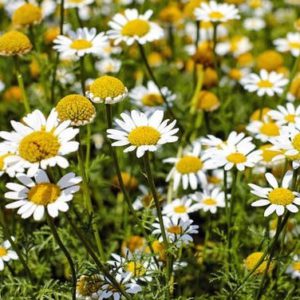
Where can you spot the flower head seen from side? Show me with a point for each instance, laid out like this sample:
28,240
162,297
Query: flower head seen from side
83,41
14,43
149,98
289,44
87,287
189,169
38,142
108,290
107,89
6,254
209,200
27,14
286,115
179,209
294,268
265,83
277,197
217,13
32,196
143,133
134,27
178,232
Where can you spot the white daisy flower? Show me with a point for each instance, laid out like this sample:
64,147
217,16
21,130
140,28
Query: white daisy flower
134,27
107,290
209,199
178,233
143,133
189,169
108,65
214,12
288,115
87,287
289,44
6,254
237,46
38,142
179,209
269,158
138,266
265,83
149,97
278,198
264,130
83,41
255,24
294,268
77,3
32,197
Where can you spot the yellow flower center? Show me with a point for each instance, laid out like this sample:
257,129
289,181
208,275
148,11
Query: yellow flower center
3,251
294,45
268,154
14,43
2,161
39,145
189,164
281,196
175,229
88,285
255,3
236,158
290,118
152,99
217,15
180,209
265,84
296,266
107,87
144,135
81,44
296,142
251,261
209,201
75,1
136,27
27,14
135,268
269,129
235,74
44,193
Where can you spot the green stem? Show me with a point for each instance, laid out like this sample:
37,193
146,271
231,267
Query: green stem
88,147
65,251
82,75
196,47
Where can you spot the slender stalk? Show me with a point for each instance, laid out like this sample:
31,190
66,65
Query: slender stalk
99,264
66,253
196,47
21,86
82,75
227,216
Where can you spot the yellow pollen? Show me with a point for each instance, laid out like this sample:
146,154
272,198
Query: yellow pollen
39,145
3,251
144,135
295,265
209,201
14,43
236,158
296,142
189,164
81,44
217,15
265,84
44,193
270,129
294,45
135,268
180,209
152,99
290,118
136,27
281,196
175,229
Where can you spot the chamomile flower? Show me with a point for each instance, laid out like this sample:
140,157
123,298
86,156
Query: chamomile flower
236,46
290,232
33,197
265,83
217,13
288,115
149,97
87,287
77,3
134,27
294,268
109,65
108,290
178,232
83,41
143,133
289,44
264,130
6,254
38,142
255,24
179,209
278,198
209,200
189,169
4,165
14,43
